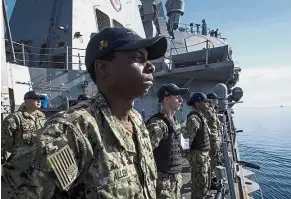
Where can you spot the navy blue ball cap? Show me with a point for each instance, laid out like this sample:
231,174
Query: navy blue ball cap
212,96
197,97
33,95
118,39
170,89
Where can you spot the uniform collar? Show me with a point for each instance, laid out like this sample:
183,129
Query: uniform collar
116,127
26,114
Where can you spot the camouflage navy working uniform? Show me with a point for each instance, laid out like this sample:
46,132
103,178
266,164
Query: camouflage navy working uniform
214,135
199,160
168,185
165,136
85,152
18,130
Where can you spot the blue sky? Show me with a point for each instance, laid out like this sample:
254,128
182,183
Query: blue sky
259,32
10,4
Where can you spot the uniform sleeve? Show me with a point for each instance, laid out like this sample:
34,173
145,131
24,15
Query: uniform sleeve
9,128
207,113
192,126
42,117
52,166
183,128
210,117
218,123
157,130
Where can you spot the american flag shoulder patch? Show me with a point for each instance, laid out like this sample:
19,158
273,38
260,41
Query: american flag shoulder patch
64,166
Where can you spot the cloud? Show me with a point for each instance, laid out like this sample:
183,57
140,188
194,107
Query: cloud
266,86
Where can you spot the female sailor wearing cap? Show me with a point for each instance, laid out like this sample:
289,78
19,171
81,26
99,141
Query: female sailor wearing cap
198,132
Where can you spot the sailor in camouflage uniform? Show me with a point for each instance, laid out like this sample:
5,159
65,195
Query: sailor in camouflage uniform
197,130
100,148
19,128
214,126
165,134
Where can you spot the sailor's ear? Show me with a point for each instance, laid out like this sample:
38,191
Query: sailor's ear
102,68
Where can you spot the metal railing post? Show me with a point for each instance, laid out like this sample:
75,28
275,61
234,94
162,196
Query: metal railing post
170,64
23,55
8,30
186,45
207,52
228,170
67,58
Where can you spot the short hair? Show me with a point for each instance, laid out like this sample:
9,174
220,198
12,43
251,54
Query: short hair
91,70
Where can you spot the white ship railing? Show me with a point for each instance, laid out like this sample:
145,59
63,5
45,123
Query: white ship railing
173,50
26,54
29,55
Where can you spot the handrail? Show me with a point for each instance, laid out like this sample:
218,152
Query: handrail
227,123
229,140
65,55
170,50
14,42
191,45
25,45
60,56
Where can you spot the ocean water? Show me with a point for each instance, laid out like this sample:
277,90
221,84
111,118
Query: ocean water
266,141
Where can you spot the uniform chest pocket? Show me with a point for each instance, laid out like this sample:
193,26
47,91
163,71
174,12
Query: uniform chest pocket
27,133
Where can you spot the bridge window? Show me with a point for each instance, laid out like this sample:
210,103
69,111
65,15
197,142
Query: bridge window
116,24
102,20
